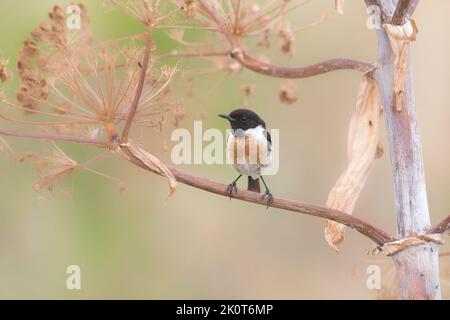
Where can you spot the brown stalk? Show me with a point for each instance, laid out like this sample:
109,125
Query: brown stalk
261,67
442,226
140,87
379,236
299,72
50,136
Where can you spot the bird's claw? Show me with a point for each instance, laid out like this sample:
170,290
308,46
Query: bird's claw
269,196
231,188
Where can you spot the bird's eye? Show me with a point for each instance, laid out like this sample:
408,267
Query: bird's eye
244,119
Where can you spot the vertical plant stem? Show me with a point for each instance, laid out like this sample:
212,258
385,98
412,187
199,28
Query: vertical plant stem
140,87
417,267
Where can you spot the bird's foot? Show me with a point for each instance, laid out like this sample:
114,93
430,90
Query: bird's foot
269,196
231,188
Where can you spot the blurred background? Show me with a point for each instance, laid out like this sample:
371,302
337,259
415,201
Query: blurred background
134,245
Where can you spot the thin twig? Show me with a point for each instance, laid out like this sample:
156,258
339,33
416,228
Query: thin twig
140,87
441,227
182,54
50,136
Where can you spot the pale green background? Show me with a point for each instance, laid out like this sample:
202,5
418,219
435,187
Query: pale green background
198,245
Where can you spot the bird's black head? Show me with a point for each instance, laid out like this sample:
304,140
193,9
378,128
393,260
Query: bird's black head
243,119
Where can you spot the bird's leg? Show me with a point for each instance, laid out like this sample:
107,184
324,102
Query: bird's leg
267,194
232,186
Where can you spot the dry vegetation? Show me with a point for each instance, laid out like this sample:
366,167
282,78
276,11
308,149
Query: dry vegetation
76,89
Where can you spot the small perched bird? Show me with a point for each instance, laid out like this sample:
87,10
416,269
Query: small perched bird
249,147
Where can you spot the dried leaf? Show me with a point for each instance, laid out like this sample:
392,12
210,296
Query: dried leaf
394,247
363,137
400,38
150,162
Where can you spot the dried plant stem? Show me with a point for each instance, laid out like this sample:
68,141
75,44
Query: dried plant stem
400,12
140,87
299,72
261,67
56,137
417,267
379,236
442,226
194,54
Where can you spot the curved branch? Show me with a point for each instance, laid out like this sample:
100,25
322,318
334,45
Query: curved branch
298,72
258,66
377,235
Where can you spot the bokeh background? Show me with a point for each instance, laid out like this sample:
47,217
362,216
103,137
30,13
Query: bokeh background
134,245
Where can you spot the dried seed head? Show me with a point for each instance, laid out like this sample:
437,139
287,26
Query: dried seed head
53,168
287,39
149,12
189,7
48,45
5,73
264,40
248,90
288,93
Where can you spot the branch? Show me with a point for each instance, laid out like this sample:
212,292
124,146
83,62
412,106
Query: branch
298,72
404,9
379,236
441,227
400,12
258,66
49,136
139,89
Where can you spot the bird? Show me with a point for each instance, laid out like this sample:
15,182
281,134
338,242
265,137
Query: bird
249,147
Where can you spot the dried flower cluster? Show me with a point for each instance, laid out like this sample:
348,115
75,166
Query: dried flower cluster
73,86
48,44
5,75
148,12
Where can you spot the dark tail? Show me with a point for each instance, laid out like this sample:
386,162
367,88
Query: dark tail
253,185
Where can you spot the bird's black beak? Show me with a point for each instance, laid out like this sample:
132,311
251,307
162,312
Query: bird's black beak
226,116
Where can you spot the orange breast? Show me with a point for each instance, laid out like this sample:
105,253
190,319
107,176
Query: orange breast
245,150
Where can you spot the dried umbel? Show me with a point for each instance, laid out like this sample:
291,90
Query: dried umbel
47,45
52,168
89,95
240,18
149,12
73,87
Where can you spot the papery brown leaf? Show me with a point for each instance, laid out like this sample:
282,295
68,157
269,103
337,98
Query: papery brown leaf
400,37
149,161
363,137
